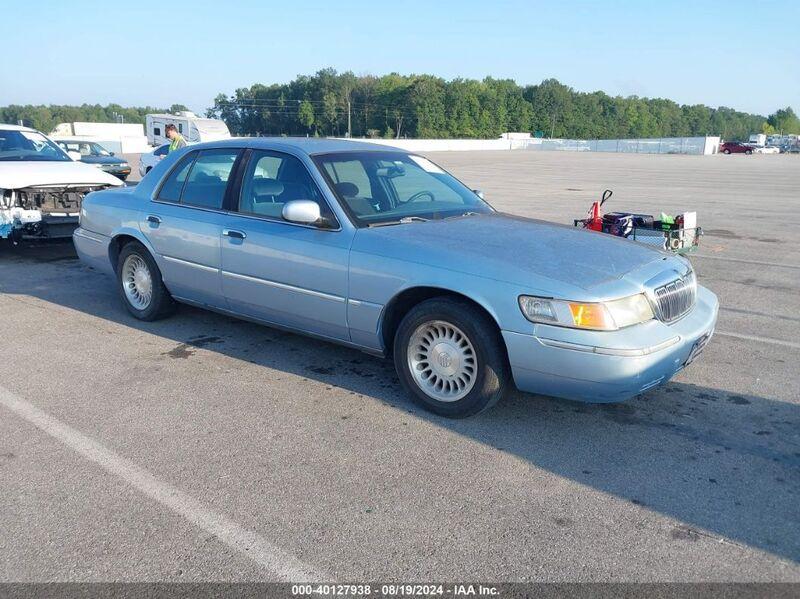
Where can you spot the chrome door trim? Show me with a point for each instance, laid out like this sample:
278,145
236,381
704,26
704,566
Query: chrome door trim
188,263
358,302
269,283
79,232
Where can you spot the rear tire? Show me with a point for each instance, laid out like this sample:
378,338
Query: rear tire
140,285
726,151
748,152
450,358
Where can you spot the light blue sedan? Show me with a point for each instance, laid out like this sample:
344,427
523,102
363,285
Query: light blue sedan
384,251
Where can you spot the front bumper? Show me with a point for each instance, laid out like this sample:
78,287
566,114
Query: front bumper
46,226
119,172
605,367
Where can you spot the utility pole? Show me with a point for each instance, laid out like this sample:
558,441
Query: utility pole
349,128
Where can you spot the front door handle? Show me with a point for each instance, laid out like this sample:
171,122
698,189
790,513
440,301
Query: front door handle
154,220
234,234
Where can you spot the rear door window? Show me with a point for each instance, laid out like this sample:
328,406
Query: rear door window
208,178
171,189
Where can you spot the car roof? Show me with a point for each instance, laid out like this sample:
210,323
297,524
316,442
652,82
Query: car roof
306,145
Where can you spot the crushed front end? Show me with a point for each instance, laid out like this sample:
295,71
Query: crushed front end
41,212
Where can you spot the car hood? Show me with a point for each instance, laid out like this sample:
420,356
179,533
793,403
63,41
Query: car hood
511,249
16,175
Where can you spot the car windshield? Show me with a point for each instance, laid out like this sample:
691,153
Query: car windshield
84,148
393,187
96,150
29,145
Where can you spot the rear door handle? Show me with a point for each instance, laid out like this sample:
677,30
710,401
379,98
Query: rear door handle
234,234
153,219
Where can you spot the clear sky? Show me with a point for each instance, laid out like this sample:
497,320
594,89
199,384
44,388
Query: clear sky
742,54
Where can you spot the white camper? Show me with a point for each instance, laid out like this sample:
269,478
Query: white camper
122,138
758,139
193,128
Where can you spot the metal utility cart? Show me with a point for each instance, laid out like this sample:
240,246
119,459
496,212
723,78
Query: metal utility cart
679,235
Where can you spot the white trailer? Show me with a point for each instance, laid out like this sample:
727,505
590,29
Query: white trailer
758,139
123,138
193,128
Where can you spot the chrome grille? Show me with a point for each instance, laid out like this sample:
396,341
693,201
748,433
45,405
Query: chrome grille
675,299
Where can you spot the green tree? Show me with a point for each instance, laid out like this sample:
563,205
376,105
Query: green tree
427,99
427,106
305,114
330,110
785,121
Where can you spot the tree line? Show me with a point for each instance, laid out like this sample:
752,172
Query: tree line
332,103
45,118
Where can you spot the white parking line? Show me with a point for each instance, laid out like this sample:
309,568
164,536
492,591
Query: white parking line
769,340
279,563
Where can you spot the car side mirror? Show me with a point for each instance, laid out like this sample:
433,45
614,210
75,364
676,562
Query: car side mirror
304,212
478,193
76,156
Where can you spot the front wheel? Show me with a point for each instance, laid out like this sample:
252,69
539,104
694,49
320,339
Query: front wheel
450,358
726,151
140,284
748,152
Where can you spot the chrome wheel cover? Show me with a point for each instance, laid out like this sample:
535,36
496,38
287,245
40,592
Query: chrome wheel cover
442,361
137,282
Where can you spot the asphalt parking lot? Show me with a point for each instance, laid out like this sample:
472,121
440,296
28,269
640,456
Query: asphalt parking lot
204,448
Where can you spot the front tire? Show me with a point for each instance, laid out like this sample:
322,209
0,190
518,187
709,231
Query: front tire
140,285
748,152
726,151
450,358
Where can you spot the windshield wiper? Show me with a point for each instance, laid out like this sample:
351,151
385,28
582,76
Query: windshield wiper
402,221
470,213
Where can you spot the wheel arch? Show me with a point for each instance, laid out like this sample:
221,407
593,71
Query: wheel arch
406,299
122,238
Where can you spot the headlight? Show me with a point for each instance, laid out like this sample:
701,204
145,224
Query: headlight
124,165
598,316
630,310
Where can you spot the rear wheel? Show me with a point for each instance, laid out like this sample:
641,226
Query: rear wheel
748,152
726,151
450,358
140,284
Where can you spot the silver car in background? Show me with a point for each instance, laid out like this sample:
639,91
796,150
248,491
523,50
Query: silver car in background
384,251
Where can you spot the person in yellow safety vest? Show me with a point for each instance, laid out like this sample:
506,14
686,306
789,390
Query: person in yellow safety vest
176,139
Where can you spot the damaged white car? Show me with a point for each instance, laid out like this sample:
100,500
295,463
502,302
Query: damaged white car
41,186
